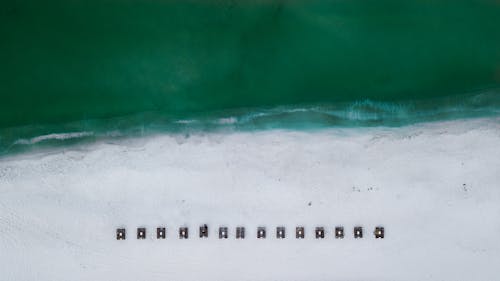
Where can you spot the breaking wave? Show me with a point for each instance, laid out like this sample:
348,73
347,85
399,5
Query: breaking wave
59,137
363,113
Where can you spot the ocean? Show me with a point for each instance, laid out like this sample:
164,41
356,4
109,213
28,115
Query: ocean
103,68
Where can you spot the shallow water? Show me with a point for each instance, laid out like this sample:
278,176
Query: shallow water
307,117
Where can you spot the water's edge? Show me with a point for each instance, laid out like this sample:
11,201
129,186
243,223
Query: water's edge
363,113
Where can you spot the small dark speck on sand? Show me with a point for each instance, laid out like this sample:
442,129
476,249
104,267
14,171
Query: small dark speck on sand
309,204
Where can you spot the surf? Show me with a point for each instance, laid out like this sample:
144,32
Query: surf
357,114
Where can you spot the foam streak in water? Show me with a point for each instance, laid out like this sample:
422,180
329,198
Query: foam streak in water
60,136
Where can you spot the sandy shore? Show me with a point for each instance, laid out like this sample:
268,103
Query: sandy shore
435,187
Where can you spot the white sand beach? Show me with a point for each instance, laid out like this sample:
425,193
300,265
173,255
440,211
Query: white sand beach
435,187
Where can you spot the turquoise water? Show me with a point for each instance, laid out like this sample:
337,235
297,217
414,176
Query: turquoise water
74,71
306,117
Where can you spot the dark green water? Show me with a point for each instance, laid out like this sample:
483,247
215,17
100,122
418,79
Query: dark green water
156,61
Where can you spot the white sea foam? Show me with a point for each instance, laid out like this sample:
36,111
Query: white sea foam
190,121
60,136
435,187
226,121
